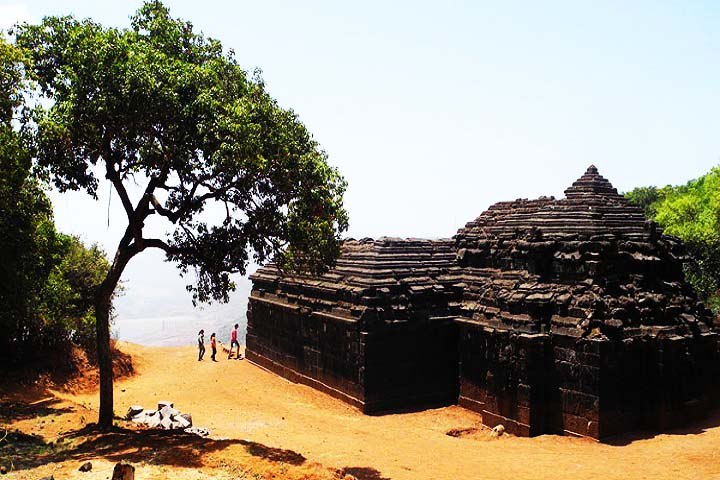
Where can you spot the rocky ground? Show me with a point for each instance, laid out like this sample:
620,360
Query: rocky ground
263,427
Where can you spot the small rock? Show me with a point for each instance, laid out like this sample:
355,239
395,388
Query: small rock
199,431
123,471
85,467
498,430
3,469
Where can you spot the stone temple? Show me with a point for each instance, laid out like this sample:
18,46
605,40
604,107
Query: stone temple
567,316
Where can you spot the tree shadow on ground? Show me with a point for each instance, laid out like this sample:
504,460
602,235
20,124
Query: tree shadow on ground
364,473
151,446
13,411
694,427
69,368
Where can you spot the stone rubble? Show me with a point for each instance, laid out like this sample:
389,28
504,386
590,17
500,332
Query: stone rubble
166,417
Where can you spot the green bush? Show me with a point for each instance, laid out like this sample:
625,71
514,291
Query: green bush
47,279
691,212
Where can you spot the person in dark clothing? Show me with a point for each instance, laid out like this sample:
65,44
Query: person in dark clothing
213,346
201,344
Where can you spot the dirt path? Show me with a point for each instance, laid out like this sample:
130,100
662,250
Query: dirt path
297,425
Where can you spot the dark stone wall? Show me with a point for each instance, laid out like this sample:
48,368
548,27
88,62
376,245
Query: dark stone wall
411,364
318,350
656,382
395,365
594,387
502,376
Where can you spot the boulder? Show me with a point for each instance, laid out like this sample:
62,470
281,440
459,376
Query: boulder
139,418
180,422
165,403
498,431
85,467
168,412
187,417
123,471
133,411
153,421
166,423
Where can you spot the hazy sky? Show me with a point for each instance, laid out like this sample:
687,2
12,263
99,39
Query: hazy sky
434,111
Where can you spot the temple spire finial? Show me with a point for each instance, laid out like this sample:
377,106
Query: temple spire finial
592,183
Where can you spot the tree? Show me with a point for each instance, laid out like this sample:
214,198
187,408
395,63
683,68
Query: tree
161,104
47,279
691,212
645,198
68,300
28,240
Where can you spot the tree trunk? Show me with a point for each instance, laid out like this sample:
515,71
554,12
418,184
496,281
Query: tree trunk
103,303
102,326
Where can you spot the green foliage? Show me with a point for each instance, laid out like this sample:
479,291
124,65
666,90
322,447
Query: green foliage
691,212
27,233
645,198
47,280
12,82
160,102
69,295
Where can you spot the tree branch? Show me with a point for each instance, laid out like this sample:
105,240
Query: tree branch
112,175
157,243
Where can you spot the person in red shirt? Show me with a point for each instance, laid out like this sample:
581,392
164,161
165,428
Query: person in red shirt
213,346
234,342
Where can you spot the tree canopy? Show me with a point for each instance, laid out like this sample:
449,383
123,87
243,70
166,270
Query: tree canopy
47,279
164,102
692,213
161,104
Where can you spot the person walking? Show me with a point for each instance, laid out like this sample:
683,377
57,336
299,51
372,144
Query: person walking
201,344
234,342
213,346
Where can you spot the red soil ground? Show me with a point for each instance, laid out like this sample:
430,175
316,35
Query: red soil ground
263,427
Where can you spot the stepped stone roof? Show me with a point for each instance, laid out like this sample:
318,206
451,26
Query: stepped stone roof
586,263
385,275
592,207
589,263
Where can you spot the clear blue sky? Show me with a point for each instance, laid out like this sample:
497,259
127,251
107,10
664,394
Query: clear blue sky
435,111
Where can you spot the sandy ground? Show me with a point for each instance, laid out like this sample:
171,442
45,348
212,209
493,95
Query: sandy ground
266,427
